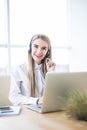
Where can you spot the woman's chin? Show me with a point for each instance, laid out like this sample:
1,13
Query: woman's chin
38,61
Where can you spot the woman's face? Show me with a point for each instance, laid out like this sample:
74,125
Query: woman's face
39,50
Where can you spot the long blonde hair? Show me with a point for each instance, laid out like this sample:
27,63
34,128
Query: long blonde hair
31,74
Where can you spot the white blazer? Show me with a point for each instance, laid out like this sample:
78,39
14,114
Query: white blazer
19,91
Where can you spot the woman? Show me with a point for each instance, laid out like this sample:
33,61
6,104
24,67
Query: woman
27,82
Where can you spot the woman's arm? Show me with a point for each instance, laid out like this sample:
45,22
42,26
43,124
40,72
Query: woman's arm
19,92
16,97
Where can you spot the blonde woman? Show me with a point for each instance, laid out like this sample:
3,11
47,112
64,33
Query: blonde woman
27,81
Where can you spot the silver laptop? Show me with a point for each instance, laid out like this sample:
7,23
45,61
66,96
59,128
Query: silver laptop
4,90
6,108
58,88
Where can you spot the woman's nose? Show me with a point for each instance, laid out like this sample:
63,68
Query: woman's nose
39,50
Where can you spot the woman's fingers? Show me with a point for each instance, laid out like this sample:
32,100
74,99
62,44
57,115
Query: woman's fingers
50,64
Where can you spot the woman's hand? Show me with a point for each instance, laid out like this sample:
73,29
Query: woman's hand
40,100
50,64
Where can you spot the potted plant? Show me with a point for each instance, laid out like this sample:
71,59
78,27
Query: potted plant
77,106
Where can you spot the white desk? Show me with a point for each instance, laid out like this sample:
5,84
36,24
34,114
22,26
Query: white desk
30,120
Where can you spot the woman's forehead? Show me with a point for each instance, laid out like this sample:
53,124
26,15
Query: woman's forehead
40,42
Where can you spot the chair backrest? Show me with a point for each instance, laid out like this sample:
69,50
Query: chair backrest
62,68
4,90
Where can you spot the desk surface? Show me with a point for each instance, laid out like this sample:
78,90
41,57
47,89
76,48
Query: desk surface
30,120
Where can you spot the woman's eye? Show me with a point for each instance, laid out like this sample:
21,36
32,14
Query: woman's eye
44,48
36,46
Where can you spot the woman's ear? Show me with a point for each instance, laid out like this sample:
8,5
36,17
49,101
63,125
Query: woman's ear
48,54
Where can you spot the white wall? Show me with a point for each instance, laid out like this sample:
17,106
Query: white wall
77,34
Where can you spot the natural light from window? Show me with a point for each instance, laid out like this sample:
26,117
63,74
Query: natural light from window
21,19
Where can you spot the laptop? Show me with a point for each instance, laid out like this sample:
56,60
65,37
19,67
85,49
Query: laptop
58,88
4,90
6,108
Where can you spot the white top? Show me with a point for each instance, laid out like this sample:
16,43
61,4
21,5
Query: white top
19,90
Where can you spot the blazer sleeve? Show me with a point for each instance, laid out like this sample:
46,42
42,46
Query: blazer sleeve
19,93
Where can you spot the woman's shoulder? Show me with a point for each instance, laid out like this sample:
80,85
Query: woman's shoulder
22,66
20,69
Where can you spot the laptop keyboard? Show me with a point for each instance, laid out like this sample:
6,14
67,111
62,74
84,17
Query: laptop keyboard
39,105
36,107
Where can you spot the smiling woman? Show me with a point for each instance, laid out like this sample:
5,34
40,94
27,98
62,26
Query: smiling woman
14,34
27,82
39,50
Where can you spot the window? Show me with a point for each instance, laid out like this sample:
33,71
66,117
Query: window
21,19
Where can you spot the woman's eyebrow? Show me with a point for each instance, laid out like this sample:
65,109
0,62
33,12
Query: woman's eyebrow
35,45
44,47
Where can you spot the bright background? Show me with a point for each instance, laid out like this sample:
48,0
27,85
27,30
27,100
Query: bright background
64,21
